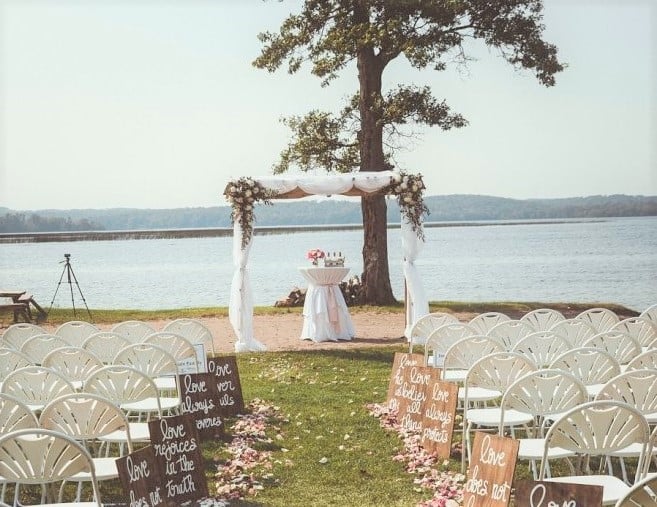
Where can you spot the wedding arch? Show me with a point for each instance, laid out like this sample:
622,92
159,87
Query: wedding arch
244,193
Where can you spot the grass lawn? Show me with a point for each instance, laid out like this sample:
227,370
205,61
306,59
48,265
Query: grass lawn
328,450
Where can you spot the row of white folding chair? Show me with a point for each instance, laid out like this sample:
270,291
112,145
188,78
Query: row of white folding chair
599,429
36,386
530,396
37,456
542,347
86,417
191,329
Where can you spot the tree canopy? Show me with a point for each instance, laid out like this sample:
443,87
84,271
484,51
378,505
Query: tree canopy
329,35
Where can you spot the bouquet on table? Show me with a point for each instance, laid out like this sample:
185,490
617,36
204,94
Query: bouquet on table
314,255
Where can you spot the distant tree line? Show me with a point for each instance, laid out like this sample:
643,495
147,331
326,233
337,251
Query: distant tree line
447,208
24,222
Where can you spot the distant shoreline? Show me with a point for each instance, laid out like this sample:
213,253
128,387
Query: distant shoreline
214,232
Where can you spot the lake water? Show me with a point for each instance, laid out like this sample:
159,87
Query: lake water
598,261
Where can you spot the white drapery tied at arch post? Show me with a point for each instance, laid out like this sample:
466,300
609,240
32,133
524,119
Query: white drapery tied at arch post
245,192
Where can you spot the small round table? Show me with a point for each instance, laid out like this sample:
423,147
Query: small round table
325,313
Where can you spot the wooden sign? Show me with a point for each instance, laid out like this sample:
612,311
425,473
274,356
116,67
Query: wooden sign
413,393
438,414
200,400
490,475
227,380
176,444
140,477
401,363
558,494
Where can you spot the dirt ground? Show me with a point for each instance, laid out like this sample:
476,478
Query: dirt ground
282,332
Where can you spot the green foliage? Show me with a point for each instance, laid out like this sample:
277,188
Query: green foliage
329,35
22,222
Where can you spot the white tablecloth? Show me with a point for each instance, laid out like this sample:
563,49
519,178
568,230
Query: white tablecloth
325,314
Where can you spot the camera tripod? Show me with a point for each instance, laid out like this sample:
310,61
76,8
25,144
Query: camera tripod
70,277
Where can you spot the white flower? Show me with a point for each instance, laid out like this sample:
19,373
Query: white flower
248,207
404,186
396,177
408,199
247,193
233,189
405,179
414,187
256,189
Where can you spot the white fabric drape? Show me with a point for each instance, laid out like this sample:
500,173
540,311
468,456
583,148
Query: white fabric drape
417,303
240,309
328,185
241,297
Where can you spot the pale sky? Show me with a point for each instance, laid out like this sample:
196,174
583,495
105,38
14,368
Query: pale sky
155,104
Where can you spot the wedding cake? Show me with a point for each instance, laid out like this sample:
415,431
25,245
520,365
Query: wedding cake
332,261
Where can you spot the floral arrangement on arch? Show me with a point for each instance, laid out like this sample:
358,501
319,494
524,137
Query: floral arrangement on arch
314,255
243,194
409,189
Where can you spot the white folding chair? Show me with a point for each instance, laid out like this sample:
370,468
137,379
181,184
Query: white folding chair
76,331
594,430
36,386
195,331
423,327
647,359
637,388
133,391
576,331
542,319
443,338
602,319
74,363
641,328
134,330
544,394
593,366
650,313
39,346
16,334
87,417
105,345
484,322
510,332
542,347
641,494
14,415
160,366
620,345
178,346
495,372
38,456
10,360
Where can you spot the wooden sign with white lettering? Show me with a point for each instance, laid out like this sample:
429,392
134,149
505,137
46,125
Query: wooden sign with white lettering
140,477
438,414
227,380
177,449
557,494
490,475
413,394
401,363
200,399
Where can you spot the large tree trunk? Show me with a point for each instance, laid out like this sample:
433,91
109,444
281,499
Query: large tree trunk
376,288
376,275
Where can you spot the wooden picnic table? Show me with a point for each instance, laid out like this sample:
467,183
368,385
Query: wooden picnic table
20,305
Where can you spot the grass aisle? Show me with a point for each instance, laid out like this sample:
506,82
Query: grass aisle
331,451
